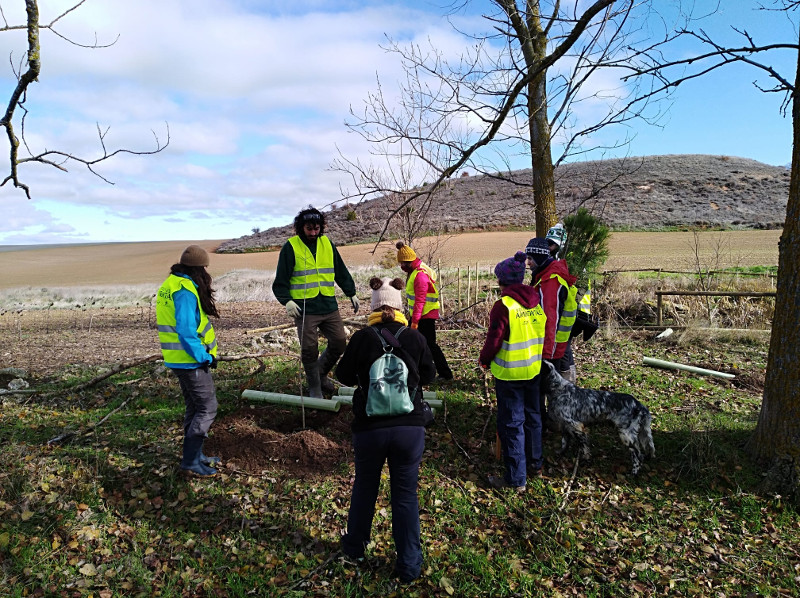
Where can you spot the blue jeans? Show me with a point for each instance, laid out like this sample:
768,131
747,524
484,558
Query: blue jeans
519,425
402,446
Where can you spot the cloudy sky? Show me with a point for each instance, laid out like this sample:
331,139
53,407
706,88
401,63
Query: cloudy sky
255,94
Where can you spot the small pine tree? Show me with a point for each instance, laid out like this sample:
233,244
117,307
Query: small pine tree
587,245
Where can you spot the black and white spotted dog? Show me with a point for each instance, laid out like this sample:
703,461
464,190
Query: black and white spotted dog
572,408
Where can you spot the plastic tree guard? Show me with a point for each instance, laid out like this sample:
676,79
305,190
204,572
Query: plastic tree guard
347,391
292,400
671,365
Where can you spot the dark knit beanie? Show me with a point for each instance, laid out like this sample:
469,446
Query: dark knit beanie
511,270
538,250
194,255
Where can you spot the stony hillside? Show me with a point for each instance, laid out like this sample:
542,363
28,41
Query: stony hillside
652,192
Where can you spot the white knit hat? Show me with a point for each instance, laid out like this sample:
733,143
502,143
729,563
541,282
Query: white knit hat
386,291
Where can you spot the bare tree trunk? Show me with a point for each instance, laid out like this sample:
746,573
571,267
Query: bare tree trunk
544,196
543,181
777,435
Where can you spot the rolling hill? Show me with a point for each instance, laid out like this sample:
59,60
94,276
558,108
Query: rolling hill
646,193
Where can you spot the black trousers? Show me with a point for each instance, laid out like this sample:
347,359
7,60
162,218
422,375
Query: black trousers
402,447
427,328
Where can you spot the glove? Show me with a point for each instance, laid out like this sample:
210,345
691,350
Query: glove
213,364
293,309
354,301
483,366
414,325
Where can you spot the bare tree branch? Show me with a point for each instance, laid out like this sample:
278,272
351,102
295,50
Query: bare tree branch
493,101
18,97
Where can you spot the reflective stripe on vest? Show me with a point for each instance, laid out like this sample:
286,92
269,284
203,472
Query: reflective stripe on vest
570,312
520,357
171,348
312,276
431,299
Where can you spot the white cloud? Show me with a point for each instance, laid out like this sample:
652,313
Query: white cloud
255,94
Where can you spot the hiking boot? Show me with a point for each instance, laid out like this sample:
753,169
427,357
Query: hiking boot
404,576
500,483
536,472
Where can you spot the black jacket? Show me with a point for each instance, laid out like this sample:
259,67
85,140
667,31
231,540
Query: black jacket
353,369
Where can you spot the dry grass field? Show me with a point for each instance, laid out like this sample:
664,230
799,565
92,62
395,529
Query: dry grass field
140,263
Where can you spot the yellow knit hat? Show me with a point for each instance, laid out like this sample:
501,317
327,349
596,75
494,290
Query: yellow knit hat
405,253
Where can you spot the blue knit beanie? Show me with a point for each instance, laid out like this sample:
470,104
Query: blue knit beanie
511,270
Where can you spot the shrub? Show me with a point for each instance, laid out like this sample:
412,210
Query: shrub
587,244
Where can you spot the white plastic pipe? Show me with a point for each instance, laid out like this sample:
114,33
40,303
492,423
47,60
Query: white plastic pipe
347,391
348,400
670,365
292,400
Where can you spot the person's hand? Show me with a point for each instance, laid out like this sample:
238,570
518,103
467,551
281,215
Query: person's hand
293,309
213,364
414,325
483,366
354,301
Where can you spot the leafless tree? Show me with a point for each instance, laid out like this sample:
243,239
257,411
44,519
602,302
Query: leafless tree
27,73
775,439
513,92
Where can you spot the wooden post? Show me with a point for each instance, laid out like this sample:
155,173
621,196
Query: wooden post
458,277
439,281
659,307
469,284
477,281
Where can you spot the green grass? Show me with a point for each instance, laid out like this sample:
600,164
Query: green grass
107,513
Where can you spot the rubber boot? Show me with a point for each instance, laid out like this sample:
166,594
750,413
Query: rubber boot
210,461
325,364
312,377
569,375
192,449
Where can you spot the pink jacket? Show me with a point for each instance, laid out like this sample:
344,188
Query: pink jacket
422,286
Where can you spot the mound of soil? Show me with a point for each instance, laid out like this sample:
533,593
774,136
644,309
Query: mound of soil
272,439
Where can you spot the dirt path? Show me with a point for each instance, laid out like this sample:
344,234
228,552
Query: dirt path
135,263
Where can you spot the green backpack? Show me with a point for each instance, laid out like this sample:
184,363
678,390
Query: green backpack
388,392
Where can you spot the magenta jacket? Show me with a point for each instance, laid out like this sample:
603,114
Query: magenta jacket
422,286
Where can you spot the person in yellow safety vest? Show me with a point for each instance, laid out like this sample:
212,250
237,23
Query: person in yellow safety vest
422,294
557,289
585,302
189,347
308,267
513,352
557,242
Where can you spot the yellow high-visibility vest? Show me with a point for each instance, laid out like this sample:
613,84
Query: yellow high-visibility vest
171,348
431,298
520,357
585,303
312,275
570,311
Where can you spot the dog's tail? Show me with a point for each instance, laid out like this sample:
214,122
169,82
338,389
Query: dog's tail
646,435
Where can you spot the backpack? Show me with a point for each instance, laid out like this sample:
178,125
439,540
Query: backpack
388,392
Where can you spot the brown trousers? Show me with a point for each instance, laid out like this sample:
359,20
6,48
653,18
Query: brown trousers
310,326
